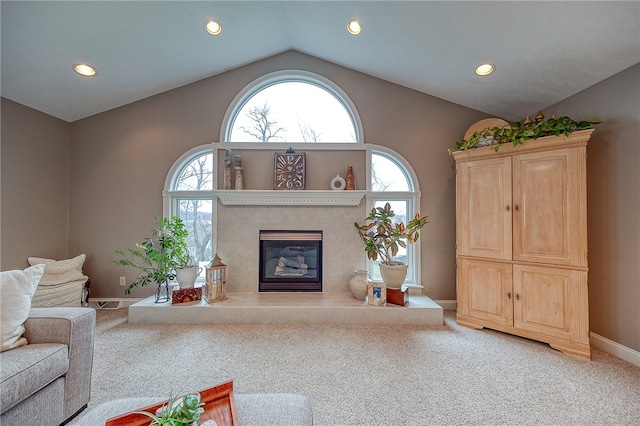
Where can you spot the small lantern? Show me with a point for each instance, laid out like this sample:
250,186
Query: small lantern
216,283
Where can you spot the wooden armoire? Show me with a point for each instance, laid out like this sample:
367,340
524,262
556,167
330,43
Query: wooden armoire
521,243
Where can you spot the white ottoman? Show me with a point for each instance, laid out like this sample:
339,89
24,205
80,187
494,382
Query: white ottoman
253,410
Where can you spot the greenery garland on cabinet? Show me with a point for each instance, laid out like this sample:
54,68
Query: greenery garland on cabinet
517,133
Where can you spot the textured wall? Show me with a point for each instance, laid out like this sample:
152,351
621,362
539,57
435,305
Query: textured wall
35,185
613,202
120,158
238,241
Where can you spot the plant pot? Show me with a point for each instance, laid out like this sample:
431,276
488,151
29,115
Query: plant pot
393,275
187,276
358,284
175,405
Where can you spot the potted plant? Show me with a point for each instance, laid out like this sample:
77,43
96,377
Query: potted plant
178,411
158,257
383,236
187,270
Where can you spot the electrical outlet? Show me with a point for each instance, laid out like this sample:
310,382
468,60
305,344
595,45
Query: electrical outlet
123,281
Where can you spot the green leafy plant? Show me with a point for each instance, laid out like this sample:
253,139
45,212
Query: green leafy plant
177,411
382,236
159,255
517,133
187,260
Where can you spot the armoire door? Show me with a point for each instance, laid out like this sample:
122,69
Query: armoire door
551,301
483,208
485,291
549,207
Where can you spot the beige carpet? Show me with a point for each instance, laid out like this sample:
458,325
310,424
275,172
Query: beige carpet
359,375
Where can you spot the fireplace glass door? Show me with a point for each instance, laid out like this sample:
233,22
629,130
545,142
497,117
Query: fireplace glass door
290,261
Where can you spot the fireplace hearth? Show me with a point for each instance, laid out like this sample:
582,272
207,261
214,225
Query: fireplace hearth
290,261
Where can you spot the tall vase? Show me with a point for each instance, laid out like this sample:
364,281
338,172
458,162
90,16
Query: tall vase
350,179
358,284
162,292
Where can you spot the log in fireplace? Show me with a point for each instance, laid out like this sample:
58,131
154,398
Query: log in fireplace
290,261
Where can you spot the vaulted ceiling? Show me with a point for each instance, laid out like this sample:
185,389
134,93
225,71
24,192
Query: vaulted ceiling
543,51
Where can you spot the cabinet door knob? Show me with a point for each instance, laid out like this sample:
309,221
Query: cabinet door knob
508,208
517,296
515,207
509,295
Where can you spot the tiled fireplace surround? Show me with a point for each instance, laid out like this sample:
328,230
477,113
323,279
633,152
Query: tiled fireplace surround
239,227
238,246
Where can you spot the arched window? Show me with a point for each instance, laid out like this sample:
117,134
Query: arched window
394,181
292,106
190,187
189,194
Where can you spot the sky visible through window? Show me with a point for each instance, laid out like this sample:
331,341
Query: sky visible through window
295,112
386,175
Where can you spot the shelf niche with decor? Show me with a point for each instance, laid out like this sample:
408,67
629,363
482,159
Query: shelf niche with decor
521,240
322,163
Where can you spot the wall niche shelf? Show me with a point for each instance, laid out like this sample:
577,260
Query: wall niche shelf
290,198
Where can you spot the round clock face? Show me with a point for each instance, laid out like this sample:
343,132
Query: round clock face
289,171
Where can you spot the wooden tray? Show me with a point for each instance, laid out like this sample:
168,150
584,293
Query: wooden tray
219,406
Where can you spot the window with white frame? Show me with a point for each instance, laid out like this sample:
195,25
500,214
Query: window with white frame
393,181
189,188
189,195
292,106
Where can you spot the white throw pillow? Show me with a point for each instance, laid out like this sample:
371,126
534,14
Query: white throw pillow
16,290
59,266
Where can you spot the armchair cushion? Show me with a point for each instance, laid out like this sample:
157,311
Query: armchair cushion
28,369
17,289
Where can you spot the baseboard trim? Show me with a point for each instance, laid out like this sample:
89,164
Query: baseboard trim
448,305
615,349
609,346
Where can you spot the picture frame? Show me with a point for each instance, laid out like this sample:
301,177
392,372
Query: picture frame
376,293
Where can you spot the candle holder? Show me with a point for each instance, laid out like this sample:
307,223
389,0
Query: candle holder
216,281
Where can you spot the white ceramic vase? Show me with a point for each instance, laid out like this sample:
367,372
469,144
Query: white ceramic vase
358,284
187,276
393,275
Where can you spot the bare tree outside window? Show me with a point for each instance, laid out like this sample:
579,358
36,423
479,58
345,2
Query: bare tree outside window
292,111
263,127
386,175
309,134
197,175
378,183
199,225
196,212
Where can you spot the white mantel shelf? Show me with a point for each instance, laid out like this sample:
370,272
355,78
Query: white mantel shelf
290,198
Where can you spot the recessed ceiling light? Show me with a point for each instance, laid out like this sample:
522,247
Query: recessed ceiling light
354,27
212,27
85,70
485,69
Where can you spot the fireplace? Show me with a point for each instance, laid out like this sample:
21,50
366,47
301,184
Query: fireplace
290,261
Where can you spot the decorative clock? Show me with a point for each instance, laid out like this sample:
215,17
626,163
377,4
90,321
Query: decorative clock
289,170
